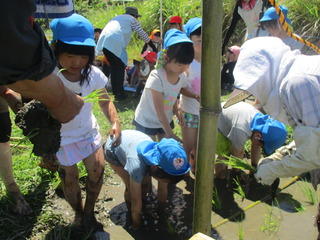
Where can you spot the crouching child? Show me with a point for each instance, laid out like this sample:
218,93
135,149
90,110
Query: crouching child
137,159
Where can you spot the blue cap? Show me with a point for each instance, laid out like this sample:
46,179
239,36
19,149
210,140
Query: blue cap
174,36
271,14
75,30
192,25
274,133
168,154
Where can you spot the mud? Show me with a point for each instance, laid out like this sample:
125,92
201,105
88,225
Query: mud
289,216
40,127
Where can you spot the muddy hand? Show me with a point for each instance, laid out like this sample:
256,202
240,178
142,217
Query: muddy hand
13,99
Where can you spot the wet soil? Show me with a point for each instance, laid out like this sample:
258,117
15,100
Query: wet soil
290,216
40,127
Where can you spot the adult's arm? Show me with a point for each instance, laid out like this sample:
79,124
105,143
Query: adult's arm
305,158
63,104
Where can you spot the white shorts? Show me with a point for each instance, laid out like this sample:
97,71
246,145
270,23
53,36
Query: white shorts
71,154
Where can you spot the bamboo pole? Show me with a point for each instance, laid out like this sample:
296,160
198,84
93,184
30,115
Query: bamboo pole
209,112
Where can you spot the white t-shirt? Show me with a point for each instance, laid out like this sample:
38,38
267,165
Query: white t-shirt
127,154
191,105
235,123
84,125
145,113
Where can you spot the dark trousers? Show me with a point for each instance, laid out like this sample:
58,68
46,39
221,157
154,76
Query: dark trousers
117,73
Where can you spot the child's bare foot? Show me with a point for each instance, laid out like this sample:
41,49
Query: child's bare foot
78,221
90,223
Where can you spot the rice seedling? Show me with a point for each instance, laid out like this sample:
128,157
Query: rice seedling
271,223
240,232
239,189
238,163
216,203
309,192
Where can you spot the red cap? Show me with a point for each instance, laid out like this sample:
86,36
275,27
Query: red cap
175,19
150,56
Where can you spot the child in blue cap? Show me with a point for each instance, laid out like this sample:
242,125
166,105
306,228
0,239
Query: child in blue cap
190,104
137,158
158,103
270,22
73,45
237,124
241,122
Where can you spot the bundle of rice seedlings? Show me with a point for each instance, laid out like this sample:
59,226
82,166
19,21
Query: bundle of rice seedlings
238,163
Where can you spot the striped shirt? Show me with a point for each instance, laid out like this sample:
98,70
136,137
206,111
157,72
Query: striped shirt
117,33
300,92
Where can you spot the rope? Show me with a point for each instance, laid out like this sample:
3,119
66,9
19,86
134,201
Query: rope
290,182
288,31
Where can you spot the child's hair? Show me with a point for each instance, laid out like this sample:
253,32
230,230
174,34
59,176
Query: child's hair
269,24
60,47
196,32
182,52
161,174
99,30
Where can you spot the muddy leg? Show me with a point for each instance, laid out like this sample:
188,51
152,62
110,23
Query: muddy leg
95,168
70,184
20,204
317,221
123,174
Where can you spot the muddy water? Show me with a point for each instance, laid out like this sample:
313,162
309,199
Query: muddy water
291,217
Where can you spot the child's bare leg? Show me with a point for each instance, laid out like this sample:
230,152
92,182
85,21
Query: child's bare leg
189,137
162,195
123,174
221,168
95,167
20,204
145,187
71,188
